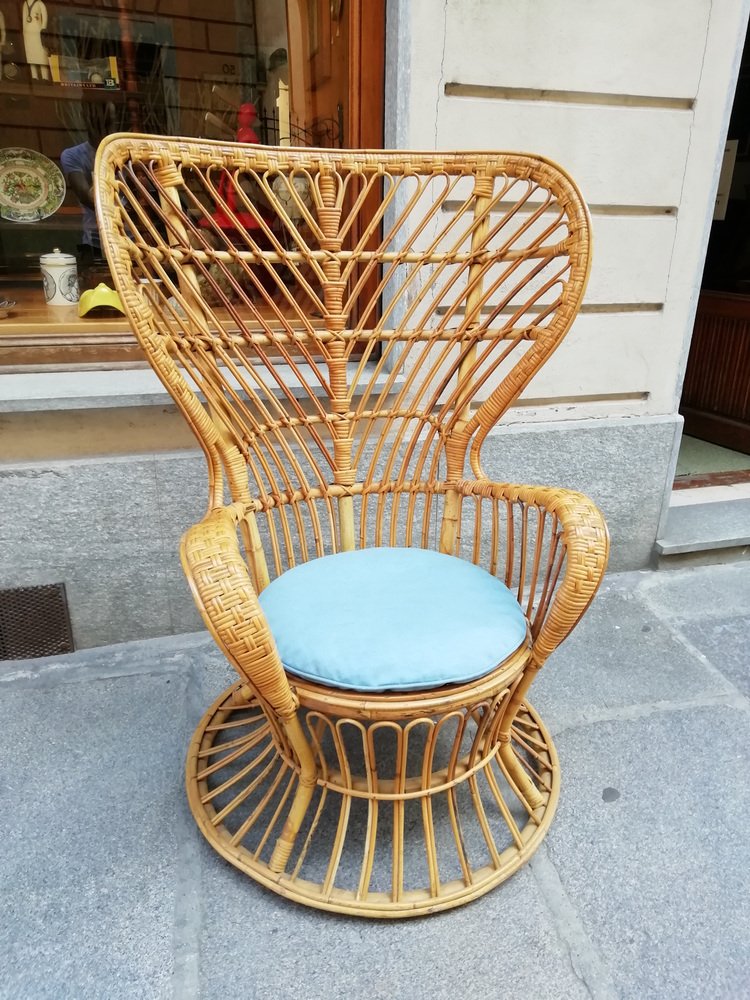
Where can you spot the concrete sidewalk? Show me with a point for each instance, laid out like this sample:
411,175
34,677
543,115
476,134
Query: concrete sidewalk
641,889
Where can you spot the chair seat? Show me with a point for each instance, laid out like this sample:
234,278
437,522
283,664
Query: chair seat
392,619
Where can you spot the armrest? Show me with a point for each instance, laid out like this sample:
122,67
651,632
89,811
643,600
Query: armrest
220,582
577,548
222,588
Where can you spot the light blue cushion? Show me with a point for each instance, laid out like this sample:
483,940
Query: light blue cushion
388,619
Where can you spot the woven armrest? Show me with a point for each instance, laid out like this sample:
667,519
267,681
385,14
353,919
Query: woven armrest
566,564
222,588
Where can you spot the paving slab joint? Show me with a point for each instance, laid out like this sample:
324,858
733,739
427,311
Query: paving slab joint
630,713
725,686
585,961
188,910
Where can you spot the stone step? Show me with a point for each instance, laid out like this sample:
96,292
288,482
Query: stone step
712,532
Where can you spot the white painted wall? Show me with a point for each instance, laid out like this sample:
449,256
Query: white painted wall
638,112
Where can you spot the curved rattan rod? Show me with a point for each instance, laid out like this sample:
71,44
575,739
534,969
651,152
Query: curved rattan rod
185,221
273,427
389,273
479,249
258,256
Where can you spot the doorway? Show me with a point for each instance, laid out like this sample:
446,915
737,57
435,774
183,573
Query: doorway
336,72
715,403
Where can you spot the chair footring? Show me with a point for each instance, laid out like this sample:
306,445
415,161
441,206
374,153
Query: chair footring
448,812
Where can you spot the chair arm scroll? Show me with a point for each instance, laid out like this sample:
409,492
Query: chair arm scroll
220,582
577,549
222,588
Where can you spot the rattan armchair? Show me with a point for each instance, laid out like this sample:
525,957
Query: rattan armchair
341,335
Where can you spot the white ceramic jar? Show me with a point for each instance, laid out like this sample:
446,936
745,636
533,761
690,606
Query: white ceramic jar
60,277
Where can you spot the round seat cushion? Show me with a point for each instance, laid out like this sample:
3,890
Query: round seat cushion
392,619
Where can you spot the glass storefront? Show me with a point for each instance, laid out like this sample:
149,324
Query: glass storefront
250,70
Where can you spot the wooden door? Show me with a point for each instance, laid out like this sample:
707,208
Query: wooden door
336,72
716,393
336,87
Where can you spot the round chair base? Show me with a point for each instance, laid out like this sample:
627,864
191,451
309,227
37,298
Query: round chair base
437,822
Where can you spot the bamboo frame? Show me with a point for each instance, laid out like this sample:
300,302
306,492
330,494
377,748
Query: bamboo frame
363,340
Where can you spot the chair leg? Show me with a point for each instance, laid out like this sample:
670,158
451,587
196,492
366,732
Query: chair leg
522,784
243,695
302,797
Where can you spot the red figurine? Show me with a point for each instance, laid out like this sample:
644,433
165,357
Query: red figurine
227,190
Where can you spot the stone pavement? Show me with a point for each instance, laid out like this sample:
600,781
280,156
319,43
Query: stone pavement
641,889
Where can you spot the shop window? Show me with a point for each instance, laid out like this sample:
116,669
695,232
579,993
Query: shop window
261,70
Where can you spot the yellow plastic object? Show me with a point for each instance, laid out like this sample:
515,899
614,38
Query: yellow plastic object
102,295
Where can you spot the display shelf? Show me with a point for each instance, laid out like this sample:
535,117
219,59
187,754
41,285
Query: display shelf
31,316
59,91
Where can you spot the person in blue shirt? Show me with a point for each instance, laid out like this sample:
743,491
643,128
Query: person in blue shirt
77,164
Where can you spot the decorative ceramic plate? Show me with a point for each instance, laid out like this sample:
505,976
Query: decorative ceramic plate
31,186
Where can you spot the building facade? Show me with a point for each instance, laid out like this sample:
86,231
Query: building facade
634,100
99,478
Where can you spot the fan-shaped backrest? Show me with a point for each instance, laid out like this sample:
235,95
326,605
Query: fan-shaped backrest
340,323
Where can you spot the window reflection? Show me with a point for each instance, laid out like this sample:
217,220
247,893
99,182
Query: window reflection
73,72
268,71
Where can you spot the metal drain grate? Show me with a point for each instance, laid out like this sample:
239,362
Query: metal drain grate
34,621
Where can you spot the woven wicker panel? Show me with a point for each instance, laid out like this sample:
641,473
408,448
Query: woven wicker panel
412,299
